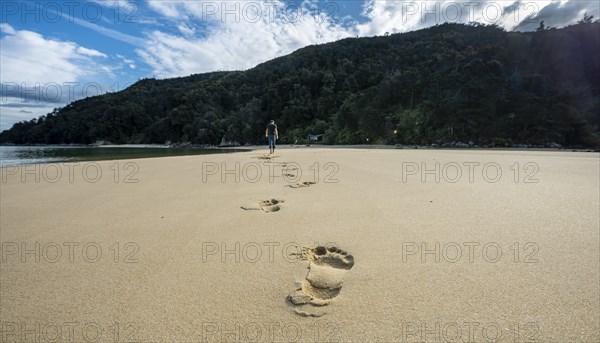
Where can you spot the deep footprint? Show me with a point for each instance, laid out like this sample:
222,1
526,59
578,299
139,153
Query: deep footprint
323,283
302,184
271,205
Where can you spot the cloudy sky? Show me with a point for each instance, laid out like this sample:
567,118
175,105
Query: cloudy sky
55,52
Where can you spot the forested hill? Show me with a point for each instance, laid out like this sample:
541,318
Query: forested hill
446,83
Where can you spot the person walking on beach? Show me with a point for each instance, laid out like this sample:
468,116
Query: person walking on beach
272,134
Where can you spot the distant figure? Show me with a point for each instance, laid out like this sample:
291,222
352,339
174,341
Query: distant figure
272,134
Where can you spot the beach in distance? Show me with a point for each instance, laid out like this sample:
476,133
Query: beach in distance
304,245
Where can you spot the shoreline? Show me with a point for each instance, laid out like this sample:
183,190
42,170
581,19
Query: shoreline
256,148
26,155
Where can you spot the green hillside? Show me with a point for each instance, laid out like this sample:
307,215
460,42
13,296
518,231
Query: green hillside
446,83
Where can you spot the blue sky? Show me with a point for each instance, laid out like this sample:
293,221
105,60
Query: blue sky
55,52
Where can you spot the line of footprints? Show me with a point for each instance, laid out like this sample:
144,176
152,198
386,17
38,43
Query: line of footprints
326,266
274,205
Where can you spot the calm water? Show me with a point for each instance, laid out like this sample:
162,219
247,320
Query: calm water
16,155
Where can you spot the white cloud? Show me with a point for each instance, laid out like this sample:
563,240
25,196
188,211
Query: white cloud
239,36
40,73
7,29
402,16
559,14
90,52
186,30
127,61
114,34
28,57
171,9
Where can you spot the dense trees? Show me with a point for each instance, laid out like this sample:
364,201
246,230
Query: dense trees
447,83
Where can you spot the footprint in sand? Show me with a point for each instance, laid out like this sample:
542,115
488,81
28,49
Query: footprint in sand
267,157
272,205
302,184
326,270
288,165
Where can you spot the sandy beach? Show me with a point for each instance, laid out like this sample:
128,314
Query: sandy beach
358,246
